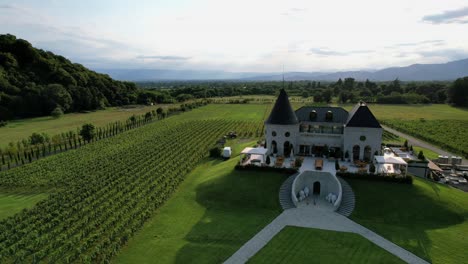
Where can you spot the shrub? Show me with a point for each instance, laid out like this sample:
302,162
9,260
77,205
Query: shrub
421,155
3,123
215,152
268,160
298,163
87,132
372,168
37,138
408,179
251,167
57,112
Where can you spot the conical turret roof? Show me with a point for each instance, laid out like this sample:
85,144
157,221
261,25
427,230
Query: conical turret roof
361,116
282,113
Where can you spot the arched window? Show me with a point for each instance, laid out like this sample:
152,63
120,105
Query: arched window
329,116
287,134
287,149
273,133
313,115
356,151
274,147
367,153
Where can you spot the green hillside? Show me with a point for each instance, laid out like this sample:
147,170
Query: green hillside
33,82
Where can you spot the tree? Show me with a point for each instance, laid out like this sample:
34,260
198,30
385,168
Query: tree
148,116
160,111
458,92
37,138
405,144
57,112
268,160
348,83
57,95
87,132
372,168
421,155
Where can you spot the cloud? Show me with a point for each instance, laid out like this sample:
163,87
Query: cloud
294,11
6,7
419,43
327,52
450,54
163,57
459,16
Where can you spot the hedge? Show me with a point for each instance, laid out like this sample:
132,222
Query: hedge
377,177
250,167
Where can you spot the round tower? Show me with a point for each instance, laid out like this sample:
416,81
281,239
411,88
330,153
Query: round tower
281,127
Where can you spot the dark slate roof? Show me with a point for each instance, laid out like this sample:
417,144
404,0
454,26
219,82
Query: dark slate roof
282,113
339,114
361,116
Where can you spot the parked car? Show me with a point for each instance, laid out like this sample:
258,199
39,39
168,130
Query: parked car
227,152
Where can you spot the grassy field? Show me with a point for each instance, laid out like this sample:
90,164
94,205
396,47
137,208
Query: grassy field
415,112
244,112
213,213
429,219
17,130
305,245
13,202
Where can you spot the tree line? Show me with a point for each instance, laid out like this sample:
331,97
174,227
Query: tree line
348,90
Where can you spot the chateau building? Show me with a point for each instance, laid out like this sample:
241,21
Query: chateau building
314,130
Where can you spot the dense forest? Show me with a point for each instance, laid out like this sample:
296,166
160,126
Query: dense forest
35,82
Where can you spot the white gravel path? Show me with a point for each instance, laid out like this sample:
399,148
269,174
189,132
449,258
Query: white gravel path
316,217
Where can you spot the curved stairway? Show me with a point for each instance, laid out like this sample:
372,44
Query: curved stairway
285,193
348,201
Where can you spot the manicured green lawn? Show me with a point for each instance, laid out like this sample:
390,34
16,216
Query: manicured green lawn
429,219
21,129
306,245
427,153
212,214
12,203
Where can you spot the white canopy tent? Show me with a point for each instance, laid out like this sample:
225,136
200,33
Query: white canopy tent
255,155
389,164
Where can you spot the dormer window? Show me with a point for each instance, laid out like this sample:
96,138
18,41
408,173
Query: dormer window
329,116
313,115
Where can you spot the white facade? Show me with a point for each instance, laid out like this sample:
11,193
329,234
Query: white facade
279,135
307,137
318,130
366,139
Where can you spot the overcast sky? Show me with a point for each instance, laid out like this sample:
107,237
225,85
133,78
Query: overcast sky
243,35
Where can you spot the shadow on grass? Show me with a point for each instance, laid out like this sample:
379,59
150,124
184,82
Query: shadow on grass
405,213
239,204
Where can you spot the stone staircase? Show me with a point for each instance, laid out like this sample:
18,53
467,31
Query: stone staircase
348,200
285,193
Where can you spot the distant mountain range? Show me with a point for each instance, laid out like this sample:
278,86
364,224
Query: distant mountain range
416,72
